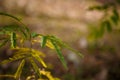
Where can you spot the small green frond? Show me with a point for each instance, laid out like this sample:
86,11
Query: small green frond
13,40
69,48
13,28
5,14
19,70
24,28
43,41
35,67
59,54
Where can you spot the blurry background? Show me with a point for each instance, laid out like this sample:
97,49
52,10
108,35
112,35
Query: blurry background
76,24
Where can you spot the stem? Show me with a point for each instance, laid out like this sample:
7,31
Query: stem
10,76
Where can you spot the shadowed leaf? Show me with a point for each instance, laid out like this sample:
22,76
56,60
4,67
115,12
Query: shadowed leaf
115,17
59,54
43,41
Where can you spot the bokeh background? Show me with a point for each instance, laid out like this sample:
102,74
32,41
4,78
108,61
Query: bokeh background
75,24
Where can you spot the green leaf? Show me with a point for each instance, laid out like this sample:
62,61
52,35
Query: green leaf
109,27
13,40
59,54
5,14
26,30
78,53
106,25
10,28
33,35
35,67
19,70
115,17
43,41
13,28
62,44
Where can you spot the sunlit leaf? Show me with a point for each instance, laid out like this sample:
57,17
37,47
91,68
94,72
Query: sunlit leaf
30,77
27,51
38,58
35,67
37,53
19,70
48,75
14,58
49,44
